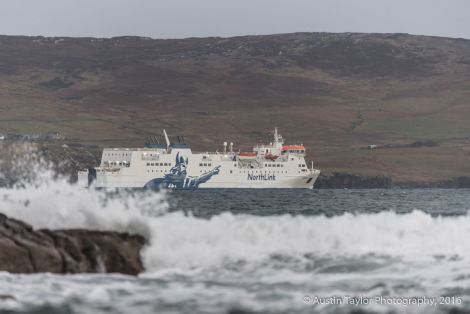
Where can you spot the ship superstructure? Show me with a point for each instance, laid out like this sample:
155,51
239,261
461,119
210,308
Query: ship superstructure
175,166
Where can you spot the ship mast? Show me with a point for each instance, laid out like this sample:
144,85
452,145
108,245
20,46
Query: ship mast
278,141
167,140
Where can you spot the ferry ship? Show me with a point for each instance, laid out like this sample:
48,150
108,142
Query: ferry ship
175,166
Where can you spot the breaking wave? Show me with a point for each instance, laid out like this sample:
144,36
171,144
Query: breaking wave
263,263
178,240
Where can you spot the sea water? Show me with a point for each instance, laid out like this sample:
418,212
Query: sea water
254,251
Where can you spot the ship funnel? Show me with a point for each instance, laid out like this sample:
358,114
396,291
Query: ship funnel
231,147
166,139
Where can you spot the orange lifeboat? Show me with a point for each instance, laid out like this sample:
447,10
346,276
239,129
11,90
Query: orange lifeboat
293,149
247,155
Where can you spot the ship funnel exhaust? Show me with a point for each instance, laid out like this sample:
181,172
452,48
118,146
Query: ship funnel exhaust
166,139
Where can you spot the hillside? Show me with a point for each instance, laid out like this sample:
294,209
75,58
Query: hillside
335,93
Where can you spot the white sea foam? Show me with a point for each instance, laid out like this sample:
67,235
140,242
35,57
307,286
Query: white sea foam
188,242
185,242
54,203
227,255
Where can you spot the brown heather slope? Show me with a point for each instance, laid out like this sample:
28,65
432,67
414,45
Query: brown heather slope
333,92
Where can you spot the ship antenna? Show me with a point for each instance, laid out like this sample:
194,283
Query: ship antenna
275,135
166,139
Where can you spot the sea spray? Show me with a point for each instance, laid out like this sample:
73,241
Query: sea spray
242,261
45,199
181,241
178,240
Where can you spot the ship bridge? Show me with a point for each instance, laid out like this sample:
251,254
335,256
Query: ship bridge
293,149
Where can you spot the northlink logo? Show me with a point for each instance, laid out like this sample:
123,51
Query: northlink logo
261,177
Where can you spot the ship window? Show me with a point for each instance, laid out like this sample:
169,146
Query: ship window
148,164
230,171
278,165
209,165
200,165
205,165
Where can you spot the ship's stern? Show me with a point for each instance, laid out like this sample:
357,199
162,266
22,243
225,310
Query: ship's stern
86,177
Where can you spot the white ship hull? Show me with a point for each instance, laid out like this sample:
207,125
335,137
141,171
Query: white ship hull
107,180
177,167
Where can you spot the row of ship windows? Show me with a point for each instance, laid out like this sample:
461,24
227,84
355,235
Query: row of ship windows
281,165
118,163
273,165
205,165
163,164
254,171
117,154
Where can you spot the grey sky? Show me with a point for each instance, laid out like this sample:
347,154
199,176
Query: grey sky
201,18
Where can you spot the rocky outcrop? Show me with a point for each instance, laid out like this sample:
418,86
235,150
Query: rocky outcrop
24,250
338,180
450,183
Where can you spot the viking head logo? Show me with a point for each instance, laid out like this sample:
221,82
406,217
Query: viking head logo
180,165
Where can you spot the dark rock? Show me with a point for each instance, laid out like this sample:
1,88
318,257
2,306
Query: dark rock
57,83
338,180
24,250
4,297
450,183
